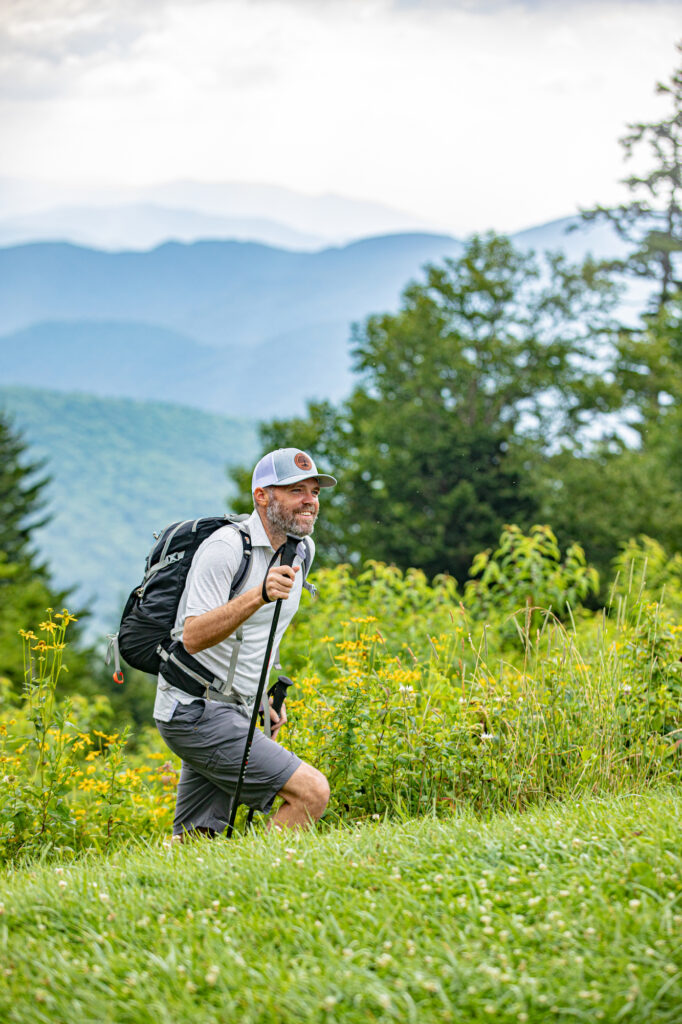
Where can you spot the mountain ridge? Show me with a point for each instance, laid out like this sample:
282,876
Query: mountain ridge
73,316
119,470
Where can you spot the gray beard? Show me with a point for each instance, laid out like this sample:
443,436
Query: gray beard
285,522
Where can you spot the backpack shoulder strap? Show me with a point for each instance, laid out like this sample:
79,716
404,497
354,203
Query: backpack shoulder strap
307,559
247,551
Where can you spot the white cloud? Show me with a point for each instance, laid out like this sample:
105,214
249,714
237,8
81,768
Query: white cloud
470,121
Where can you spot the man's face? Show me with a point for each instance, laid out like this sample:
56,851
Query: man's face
294,507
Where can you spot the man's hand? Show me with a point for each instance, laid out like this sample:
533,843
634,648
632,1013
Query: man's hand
277,720
279,581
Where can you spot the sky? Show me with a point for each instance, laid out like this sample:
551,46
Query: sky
470,115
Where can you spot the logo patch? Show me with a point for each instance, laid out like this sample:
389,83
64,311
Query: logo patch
302,461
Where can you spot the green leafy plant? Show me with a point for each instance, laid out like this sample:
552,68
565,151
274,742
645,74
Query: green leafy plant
528,570
67,784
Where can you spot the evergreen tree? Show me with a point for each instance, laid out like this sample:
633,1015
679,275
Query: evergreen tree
651,221
21,497
26,591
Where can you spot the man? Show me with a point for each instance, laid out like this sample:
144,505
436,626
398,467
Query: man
228,638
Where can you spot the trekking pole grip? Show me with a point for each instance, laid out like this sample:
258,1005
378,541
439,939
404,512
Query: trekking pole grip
287,558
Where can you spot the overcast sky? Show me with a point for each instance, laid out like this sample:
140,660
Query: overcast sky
472,115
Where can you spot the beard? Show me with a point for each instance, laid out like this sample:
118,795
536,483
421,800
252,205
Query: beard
283,521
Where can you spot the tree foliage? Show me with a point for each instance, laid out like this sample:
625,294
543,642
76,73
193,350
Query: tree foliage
21,497
25,587
651,221
488,360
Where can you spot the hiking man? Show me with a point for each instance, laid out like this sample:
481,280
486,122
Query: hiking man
228,637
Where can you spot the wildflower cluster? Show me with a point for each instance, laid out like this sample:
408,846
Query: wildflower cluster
67,785
409,700
495,713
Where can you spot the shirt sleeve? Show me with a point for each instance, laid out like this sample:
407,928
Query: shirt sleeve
211,575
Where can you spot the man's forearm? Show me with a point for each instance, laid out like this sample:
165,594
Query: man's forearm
207,630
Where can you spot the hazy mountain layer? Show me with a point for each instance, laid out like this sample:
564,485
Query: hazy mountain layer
120,471
231,327
225,326
334,218
145,226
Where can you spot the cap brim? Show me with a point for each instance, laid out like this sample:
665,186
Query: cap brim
323,479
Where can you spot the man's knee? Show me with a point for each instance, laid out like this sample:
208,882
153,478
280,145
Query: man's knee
309,788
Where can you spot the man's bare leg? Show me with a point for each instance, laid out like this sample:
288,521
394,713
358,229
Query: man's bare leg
305,796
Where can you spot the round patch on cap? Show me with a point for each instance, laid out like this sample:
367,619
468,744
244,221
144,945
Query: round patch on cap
302,461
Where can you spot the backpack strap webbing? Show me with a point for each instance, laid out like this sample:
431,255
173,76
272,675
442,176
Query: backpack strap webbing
245,564
307,559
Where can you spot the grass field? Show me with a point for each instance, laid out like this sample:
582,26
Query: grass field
565,913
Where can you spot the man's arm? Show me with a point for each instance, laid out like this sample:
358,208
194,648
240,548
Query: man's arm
207,630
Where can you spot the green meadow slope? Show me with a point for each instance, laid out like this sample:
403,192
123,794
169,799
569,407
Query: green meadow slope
121,469
563,914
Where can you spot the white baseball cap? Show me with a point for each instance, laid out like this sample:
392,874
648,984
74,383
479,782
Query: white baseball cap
287,466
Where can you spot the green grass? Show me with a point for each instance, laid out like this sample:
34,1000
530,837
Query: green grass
565,913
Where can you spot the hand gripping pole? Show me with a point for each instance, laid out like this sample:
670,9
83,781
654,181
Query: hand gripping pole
288,555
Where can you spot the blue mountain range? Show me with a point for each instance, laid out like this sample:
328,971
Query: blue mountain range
224,326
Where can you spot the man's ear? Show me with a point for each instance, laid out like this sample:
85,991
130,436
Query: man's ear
260,497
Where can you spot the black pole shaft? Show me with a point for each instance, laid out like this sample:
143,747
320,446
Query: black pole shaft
288,556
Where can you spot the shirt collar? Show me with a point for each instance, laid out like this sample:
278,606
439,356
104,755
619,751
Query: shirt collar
259,538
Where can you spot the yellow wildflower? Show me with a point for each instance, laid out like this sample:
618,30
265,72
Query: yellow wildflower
66,616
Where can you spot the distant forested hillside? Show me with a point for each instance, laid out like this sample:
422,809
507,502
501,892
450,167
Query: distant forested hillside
120,470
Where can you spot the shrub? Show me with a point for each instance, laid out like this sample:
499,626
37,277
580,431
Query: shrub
408,700
66,783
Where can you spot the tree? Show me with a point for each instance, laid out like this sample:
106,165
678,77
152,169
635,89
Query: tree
21,497
487,362
648,372
603,499
25,588
652,220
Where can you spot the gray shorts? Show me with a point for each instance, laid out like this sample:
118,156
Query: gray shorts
209,738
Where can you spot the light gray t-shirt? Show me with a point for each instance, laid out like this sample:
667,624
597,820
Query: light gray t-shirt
208,586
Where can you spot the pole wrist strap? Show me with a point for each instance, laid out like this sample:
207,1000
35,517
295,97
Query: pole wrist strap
263,589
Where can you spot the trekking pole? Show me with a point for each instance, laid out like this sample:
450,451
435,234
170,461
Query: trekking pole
288,555
278,692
